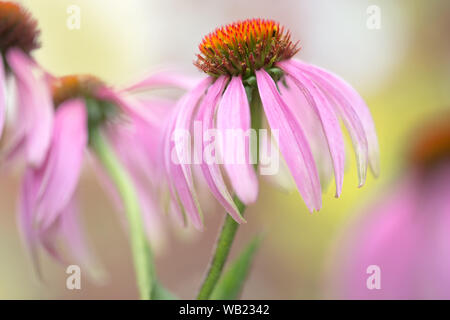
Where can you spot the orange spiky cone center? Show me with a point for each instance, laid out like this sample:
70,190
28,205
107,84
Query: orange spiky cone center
18,29
243,47
74,86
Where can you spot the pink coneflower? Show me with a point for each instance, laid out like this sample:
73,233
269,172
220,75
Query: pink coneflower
251,72
32,126
89,116
406,232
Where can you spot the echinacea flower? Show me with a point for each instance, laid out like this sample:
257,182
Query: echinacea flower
405,234
251,71
85,109
22,77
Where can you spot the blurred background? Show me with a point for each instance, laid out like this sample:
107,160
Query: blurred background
402,69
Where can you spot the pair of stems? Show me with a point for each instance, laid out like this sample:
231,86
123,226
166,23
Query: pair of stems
142,256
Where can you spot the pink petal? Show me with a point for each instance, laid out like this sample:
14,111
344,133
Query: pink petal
183,191
66,226
130,105
174,201
330,124
2,95
67,231
292,144
185,116
134,146
63,165
70,228
36,107
234,114
26,219
15,145
164,79
355,113
312,127
181,183
151,214
137,145
211,171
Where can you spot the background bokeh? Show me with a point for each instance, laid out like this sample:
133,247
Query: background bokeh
401,69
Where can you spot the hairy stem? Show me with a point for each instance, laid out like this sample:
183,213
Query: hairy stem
221,253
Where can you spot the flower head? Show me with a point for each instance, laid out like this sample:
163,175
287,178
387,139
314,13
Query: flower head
405,233
83,105
252,73
48,203
74,86
243,47
100,108
28,136
18,29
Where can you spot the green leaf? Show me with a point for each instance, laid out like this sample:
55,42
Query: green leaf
232,281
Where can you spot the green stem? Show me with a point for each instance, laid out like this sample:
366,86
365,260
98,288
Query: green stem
221,253
142,258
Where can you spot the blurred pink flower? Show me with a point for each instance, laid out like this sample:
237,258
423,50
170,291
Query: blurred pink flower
405,233
132,124
255,57
31,131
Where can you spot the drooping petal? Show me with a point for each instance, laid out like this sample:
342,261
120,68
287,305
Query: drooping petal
151,214
292,142
26,219
138,146
164,79
354,111
234,123
175,206
210,168
66,242
312,127
329,122
65,158
2,95
281,178
70,228
185,116
159,108
35,103
66,227
183,192
15,141
129,105
181,183
132,144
